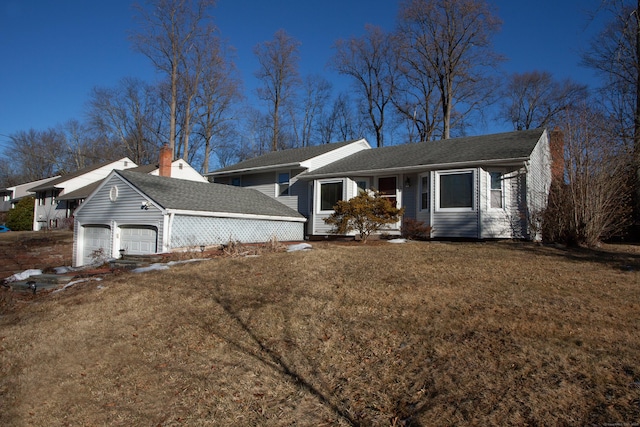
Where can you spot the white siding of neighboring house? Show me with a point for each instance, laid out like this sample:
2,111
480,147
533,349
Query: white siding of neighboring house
180,169
50,211
538,181
125,211
337,154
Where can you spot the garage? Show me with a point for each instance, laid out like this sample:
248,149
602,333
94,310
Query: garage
155,214
97,242
137,240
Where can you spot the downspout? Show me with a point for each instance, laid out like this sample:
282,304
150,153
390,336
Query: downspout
168,226
432,201
479,200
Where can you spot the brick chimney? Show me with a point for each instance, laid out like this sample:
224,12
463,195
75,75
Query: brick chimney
166,156
556,147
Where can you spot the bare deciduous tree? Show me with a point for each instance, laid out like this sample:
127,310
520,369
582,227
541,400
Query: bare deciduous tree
371,62
341,123
615,53
38,154
128,115
534,99
316,94
594,202
279,75
218,90
453,39
169,32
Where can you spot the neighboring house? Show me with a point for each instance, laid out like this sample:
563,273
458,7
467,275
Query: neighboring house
178,169
277,174
145,214
490,186
49,212
10,196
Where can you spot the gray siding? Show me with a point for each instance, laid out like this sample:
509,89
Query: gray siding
457,224
263,182
410,196
189,231
126,210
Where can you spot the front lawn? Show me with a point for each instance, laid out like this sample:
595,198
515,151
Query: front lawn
414,334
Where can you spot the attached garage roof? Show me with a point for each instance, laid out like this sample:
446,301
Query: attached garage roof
184,195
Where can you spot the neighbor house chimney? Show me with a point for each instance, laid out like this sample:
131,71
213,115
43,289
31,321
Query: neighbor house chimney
556,147
166,156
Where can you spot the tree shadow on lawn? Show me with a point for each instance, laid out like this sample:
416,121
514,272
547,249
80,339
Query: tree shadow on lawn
309,375
625,258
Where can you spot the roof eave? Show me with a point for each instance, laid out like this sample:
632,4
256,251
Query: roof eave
237,215
256,169
405,169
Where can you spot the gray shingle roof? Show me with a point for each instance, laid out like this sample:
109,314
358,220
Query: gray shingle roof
172,193
291,156
467,150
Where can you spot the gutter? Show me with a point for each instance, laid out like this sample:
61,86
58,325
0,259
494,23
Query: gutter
417,168
236,215
260,168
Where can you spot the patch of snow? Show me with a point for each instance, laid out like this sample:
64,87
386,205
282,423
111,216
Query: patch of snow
23,276
170,263
68,285
397,241
299,247
152,267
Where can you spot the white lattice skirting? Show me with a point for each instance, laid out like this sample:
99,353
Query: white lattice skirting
188,231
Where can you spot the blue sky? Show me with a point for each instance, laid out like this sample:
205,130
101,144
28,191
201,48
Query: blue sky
53,52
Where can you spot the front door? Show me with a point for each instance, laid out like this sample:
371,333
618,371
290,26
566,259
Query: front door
388,188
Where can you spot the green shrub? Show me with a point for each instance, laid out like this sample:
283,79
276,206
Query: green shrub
20,218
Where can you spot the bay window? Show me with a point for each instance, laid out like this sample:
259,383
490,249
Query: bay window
455,190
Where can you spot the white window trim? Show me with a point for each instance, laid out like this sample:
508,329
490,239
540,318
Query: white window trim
319,193
436,199
278,183
420,191
489,191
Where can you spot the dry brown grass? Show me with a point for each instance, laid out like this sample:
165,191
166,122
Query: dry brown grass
418,334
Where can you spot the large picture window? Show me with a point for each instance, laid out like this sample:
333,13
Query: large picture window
330,194
456,190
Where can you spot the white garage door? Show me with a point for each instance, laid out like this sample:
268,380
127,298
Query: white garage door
138,240
97,243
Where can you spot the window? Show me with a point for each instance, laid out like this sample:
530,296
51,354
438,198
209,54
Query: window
424,193
456,190
283,184
235,181
42,196
387,188
496,190
330,194
362,185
